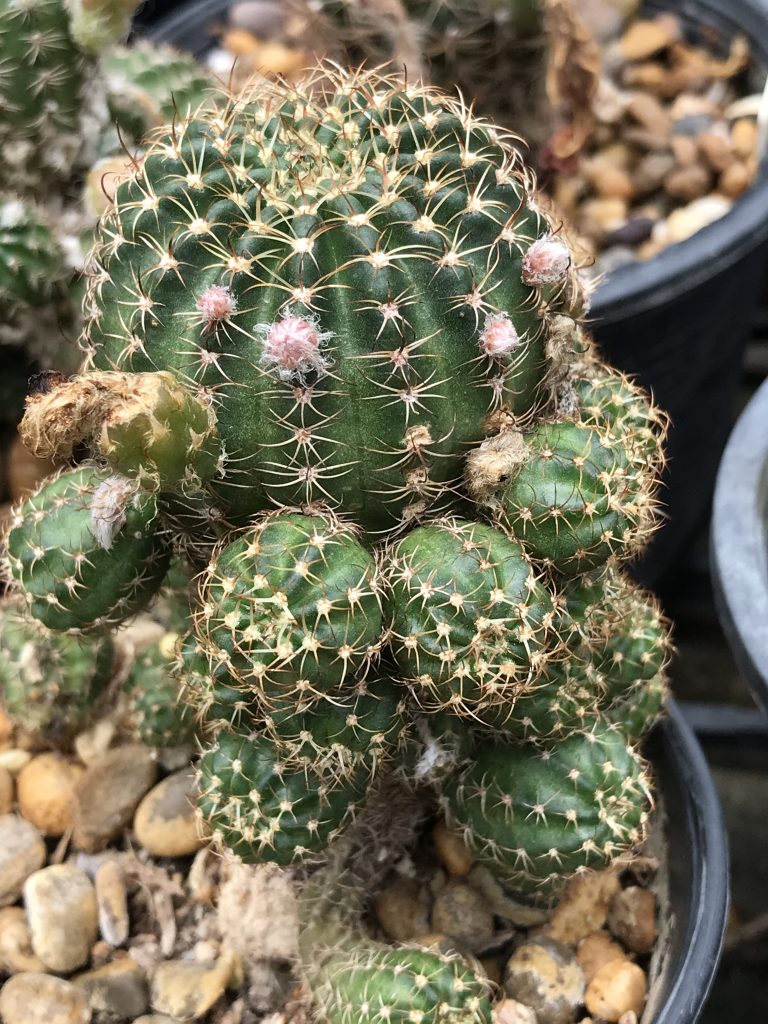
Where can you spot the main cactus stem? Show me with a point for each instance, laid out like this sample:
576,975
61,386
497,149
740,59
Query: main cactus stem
331,333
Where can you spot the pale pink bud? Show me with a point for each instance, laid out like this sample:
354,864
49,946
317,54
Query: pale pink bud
294,344
216,303
499,336
546,262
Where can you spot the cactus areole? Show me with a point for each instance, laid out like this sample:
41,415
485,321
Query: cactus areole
347,273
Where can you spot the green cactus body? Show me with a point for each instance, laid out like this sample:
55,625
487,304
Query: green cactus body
359,280
571,498
363,726
470,618
85,550
44,83
354,980
266,812
609,400
218,699
149,86
31,260
381,986
157,716
534,816
50,684
291,607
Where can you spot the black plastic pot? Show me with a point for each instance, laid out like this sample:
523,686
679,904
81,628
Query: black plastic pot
679,322
690,840
740,544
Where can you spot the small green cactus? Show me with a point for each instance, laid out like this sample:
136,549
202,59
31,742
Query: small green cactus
149,86
267,812
535,816
568,491
86,551
470,617
50,684
151,698
31,258
291,607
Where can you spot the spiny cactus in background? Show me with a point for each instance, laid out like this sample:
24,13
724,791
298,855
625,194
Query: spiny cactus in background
292,608
353,342
530,65
354,980
50,684
86,550
534,816
97,24
471,620
151,698
150,85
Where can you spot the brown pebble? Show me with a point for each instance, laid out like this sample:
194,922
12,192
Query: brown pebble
165,822
34,998
595,951
510,1011
6,791
651,171
463,913
544,975
651,115
583,907
16,953
688,183
63,916
46,790
744,137
112,900
617,988
598,217
609,181
647,36
108,793
454,854
186,990
119,989
632,919
735,180
684,150
402,910
716,150
22,852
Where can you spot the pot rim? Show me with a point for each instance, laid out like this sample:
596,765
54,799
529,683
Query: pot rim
739,543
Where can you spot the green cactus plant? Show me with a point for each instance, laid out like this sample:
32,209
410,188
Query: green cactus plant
293,362
50,684
291,607
86,550
470,618
535,816
155,714
357,286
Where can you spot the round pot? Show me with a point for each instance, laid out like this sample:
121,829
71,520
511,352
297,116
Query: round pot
678,323
740,544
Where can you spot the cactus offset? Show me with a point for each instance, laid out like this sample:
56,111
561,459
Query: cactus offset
470,618
535,816
86,551
50,684
151,698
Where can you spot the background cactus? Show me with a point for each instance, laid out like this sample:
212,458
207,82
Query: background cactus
51,684
151,698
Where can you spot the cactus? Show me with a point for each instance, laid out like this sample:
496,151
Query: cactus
266,812
86,551
568,491
470,617
534,816
354,980
50,684
151,698
295,342
149,86
291,607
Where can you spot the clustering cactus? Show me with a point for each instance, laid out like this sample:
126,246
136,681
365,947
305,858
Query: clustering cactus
50,684
151,697
353,335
